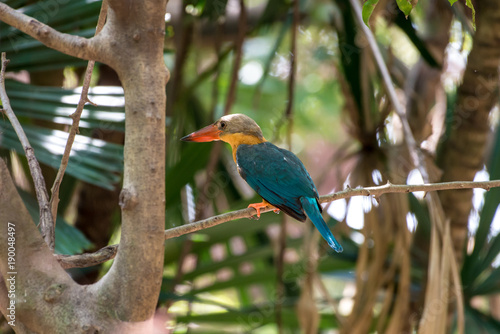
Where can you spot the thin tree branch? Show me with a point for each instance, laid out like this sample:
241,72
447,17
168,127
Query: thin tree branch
75,46
46,218
375,192
89,259
54,200
369,191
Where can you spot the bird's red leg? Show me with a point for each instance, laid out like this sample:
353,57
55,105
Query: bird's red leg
263,205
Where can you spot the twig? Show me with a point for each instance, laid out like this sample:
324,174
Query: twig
54,200
75,46
238,51
88,259
46,218
249,212
370,191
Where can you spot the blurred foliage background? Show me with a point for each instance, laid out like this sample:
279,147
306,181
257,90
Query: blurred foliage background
244,276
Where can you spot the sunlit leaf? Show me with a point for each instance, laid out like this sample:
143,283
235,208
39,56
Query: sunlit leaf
56,104
405,6
92,160
78,17
469,4
368,8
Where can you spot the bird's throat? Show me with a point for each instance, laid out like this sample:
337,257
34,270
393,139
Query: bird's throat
236,139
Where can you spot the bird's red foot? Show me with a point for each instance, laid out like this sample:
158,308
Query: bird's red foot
263,205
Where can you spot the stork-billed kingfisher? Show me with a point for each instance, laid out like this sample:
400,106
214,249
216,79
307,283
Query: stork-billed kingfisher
276,174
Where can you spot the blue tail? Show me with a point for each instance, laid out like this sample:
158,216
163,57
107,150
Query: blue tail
311,208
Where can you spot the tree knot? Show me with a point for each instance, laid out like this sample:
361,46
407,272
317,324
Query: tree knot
128,199
53,292
90,329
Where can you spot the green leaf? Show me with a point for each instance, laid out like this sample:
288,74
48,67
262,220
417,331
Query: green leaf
92,160
490,285
368,8
77,17
214,9
56,104
405,6
469,4
477,322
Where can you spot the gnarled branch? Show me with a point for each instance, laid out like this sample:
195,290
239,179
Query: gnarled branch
75,46
88,259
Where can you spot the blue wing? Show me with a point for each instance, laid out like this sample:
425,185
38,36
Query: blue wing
277,175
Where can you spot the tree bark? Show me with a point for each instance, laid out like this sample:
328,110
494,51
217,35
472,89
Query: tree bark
44,294
138,31
48,300
463,152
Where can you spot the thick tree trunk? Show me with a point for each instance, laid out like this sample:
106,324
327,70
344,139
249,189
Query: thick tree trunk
47,299
463,152
143,74
44,294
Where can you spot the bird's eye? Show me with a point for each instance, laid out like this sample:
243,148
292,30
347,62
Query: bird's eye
223,125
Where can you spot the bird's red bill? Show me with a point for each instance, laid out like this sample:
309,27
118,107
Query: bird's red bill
208,133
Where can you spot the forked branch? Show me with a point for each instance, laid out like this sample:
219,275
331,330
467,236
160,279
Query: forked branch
75,46
54,199
46,219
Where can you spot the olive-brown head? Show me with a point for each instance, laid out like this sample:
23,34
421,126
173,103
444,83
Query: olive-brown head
234,129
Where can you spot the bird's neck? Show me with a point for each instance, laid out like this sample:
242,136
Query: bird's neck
236,139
